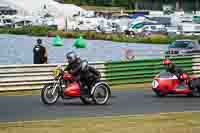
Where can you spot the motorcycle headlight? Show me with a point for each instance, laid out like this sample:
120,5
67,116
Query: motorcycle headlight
56,72
155,84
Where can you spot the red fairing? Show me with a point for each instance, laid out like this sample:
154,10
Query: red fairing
67,76
72,90
169,86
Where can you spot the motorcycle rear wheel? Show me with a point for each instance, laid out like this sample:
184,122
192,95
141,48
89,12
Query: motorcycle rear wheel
98,91
195,93
86,100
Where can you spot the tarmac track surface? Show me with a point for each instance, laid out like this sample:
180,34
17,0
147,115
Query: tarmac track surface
26,108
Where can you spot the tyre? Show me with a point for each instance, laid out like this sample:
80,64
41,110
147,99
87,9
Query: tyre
86,100
47,96
159,93
101,93
77,29
194,86
195,93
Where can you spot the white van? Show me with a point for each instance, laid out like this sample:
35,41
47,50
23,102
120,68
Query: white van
143,27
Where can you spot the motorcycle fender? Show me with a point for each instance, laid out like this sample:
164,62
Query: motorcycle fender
99,83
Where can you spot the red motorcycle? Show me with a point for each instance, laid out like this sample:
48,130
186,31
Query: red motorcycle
167,83
66,87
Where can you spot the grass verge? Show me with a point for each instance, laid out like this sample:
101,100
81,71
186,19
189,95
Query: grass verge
150,123
20,93
116,37
37,92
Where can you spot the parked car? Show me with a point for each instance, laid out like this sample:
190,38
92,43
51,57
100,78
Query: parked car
22,23
5,22
155,29
184,47
109,28
85,26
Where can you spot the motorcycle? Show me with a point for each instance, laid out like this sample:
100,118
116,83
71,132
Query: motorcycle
167,83
66,87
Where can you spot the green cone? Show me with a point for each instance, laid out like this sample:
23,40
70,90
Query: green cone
80,43
57,41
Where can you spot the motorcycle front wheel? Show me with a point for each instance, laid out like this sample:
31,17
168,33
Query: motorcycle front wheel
160,94
47,96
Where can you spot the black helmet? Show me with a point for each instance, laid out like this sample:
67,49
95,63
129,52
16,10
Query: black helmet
71,57
39,41
84,65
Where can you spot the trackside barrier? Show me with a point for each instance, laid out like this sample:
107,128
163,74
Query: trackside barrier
33,77
141,71
196,65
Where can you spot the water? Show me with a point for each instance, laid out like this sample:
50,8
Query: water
19,50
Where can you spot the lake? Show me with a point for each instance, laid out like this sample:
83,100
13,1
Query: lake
19,50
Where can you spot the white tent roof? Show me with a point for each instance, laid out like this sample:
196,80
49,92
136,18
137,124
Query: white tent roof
36,7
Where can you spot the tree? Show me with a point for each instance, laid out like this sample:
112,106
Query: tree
119,3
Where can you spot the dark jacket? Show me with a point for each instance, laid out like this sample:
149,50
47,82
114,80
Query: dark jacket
176,70
90,76
92,73
74,68
39,52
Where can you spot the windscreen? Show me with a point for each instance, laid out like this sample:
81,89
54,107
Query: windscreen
165,74
180,44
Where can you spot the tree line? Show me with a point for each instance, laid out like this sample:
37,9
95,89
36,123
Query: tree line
115,3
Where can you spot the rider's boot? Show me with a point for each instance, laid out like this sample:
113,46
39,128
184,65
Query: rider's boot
194,85
84,89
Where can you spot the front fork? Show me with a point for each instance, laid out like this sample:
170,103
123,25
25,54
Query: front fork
56,84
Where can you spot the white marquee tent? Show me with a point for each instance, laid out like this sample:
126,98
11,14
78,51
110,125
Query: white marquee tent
39,7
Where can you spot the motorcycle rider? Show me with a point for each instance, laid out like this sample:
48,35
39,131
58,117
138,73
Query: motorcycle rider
81,71
74,66
172,68
89,75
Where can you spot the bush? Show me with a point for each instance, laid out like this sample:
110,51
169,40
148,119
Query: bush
43,31
159,39
39,30
28,30
20,31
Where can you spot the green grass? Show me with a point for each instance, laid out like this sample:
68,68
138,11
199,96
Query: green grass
116,37
154,39
29,30
149,123
20,93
